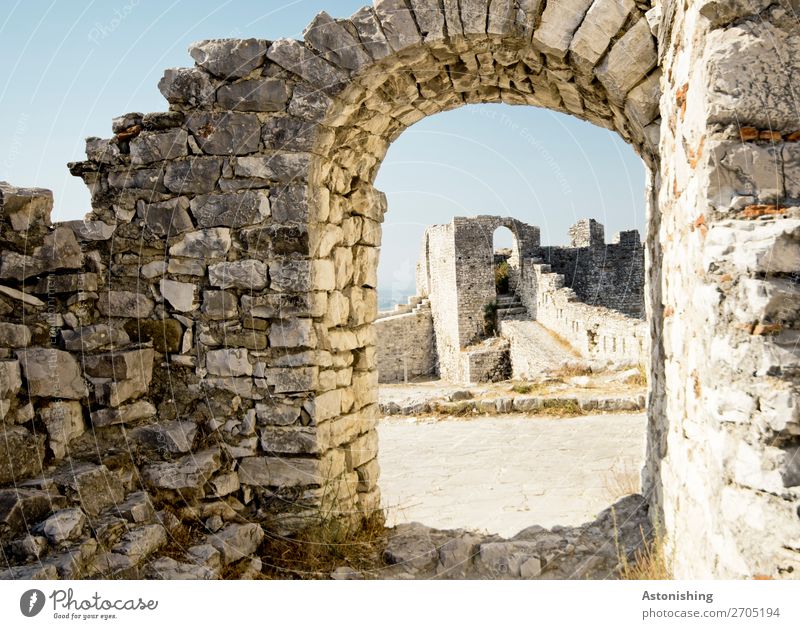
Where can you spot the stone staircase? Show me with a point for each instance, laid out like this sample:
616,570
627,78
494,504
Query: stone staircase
509,306
415,304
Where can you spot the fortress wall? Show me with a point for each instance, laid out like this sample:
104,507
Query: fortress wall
596,332
406,347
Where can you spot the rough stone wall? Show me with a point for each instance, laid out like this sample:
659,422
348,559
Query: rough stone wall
725,459
406,347
608,275
247,213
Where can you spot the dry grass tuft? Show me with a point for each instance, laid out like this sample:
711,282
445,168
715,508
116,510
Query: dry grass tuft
319,550
559,407
623,479
639,379
570,371
650,561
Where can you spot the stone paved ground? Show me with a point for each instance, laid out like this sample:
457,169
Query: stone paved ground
502,474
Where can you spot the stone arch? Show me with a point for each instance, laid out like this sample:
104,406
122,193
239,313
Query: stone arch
388,67
217,302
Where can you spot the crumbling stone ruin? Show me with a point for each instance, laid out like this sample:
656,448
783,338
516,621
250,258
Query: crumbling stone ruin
590,293
200,351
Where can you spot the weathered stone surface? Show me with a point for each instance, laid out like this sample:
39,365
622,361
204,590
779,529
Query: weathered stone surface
196,175
254,95
308,103
141,542
187,86
370,33
602,23
91,230
121,365
151,146
228,133
397,23
175,437
244,274
752,68
282,472
229,58
94,486
182,296
231,210
277,414
290,440
282,167
628,62
92,337
19,295
411,546
121,303
296,58
64,526
166,219
26,208
362,450
429,18
64,422
21,506
641,106
203,243
297,333
237,541
33,571
186,475
51,373
123,414
220,304
10,379
559,22
229,362
289,134
29,548
335,43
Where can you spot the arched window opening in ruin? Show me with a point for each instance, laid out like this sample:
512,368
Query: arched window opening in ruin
505,257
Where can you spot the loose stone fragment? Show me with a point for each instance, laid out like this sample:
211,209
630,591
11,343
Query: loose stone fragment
229,58
64,526
237,541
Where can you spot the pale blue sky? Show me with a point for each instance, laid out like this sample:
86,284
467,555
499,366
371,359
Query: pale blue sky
70,66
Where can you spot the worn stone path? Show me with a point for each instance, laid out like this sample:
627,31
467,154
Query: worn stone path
502,474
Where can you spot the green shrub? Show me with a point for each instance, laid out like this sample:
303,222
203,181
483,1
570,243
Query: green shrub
501,272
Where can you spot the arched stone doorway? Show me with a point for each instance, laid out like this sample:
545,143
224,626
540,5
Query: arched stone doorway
390,67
